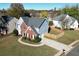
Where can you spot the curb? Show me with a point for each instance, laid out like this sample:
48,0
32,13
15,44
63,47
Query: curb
59,53
73,43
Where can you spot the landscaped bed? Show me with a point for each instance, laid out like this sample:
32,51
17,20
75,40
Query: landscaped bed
69,37
26,40
10,46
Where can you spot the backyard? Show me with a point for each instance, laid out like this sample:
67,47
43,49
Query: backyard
69,37
9,46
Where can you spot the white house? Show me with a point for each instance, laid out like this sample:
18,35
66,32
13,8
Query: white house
7,24
11,24
66,20
18,25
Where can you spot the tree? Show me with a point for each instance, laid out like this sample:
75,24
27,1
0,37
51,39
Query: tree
3,12
72,11
50,23
16,10
17,5
26,13
43,14
15,32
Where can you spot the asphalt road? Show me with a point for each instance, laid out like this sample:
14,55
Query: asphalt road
74,52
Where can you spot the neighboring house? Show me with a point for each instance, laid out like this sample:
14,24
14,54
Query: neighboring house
31,27
65,21
7,24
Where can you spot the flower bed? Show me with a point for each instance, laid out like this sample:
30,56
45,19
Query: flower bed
31,41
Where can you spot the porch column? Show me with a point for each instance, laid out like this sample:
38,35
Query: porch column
32,36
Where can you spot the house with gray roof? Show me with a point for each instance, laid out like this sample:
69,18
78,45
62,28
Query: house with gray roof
65,21
7,24
32,26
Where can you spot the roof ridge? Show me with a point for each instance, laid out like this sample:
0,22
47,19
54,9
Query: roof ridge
42,23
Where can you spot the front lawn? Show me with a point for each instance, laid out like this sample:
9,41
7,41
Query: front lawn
69,37
9,46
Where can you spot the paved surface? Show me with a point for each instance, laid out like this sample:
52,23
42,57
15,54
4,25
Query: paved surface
55,44
74,52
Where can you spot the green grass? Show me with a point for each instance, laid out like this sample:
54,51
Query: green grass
69,37
9,46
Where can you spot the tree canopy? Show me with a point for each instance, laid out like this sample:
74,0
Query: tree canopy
43,14
72,11
16,10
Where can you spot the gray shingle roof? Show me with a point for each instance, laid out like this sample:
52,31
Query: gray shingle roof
4,20
26,19
61,17
34,22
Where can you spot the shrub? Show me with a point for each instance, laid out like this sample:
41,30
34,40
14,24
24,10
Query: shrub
50,23
58,27
24,38
71,29
15,32
37,39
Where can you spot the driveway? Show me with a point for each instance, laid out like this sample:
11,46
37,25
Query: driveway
55,44
74,52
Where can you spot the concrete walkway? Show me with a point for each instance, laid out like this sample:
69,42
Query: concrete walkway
55,44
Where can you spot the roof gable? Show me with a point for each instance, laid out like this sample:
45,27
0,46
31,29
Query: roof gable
65,18
5,19
33,21
60,17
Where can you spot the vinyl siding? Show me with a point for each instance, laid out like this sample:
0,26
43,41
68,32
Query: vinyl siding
57,23
44,28
18,25
11,25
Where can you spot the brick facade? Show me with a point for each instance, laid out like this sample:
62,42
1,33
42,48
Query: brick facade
27,31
